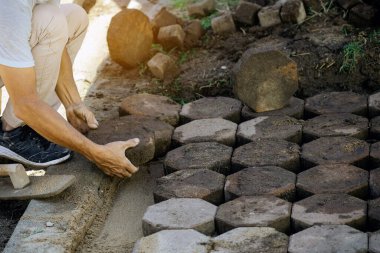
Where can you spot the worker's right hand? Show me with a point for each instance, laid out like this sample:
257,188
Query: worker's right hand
110,158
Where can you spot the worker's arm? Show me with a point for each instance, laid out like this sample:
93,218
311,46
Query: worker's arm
78,115
21,86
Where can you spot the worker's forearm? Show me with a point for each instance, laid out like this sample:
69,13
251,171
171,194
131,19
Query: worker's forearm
66,88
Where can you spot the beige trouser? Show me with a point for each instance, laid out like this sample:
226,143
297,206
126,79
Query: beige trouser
53,28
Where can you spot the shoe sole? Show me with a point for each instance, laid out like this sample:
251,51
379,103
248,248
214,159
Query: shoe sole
9,154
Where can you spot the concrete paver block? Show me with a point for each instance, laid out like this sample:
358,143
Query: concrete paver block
348,4
206,130
163,67
335,150
122,129
201,9
294,109
267,180
270,16
374,130
329,209
273,127
212,107
336,124
246,12
363,15
181,213
162,131
374,105
254,211
336,102
203,184
374,242
329,239
293,11
173,241
223,24
171,36
266,152
194,32
374,214
165,18
193,156
375,155
374,183
258,74
156,106
249,240
333,178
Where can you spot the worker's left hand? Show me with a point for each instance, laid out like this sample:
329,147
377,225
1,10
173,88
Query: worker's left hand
81,118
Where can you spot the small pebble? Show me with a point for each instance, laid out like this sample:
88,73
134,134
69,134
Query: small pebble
49,224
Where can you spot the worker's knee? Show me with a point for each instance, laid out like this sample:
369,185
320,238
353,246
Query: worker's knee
49,23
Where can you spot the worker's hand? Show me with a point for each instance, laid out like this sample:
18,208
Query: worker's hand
112,161
81,118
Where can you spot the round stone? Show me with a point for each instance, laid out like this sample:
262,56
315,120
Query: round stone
267,180
193,156
331,125
249,240
206,130
182,213
266,152
212,107
273,127
335,150
203,184
336,102
375,155
329,239
294,109
162,132
160,107
374,242
374,131
374,214
333,178
173,241
122,129
329,209
374,183
254,211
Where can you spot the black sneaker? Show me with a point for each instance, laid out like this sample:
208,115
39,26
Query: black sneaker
26,146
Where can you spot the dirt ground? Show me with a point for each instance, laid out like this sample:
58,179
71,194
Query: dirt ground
317,46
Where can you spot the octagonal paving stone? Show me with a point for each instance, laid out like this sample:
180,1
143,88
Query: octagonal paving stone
173,241
374,105
267,180
250,240
374,183
212,107
273,127
329,209
266,152
254,211
162,131
333,178
374,130
335,150
181,213
122,129
206,130
329,239
374,214
336,102
375,155
193,156
203,184
294,109
144,104
374,242
336,124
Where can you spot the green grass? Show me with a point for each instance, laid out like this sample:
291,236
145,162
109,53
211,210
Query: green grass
180,4
352,52
206,21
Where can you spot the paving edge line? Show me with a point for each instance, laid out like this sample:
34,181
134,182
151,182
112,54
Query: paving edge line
71,213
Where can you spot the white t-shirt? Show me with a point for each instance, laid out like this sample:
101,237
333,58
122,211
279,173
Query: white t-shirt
15,30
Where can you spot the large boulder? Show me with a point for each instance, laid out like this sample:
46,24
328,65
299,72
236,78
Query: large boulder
130,38
266,80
